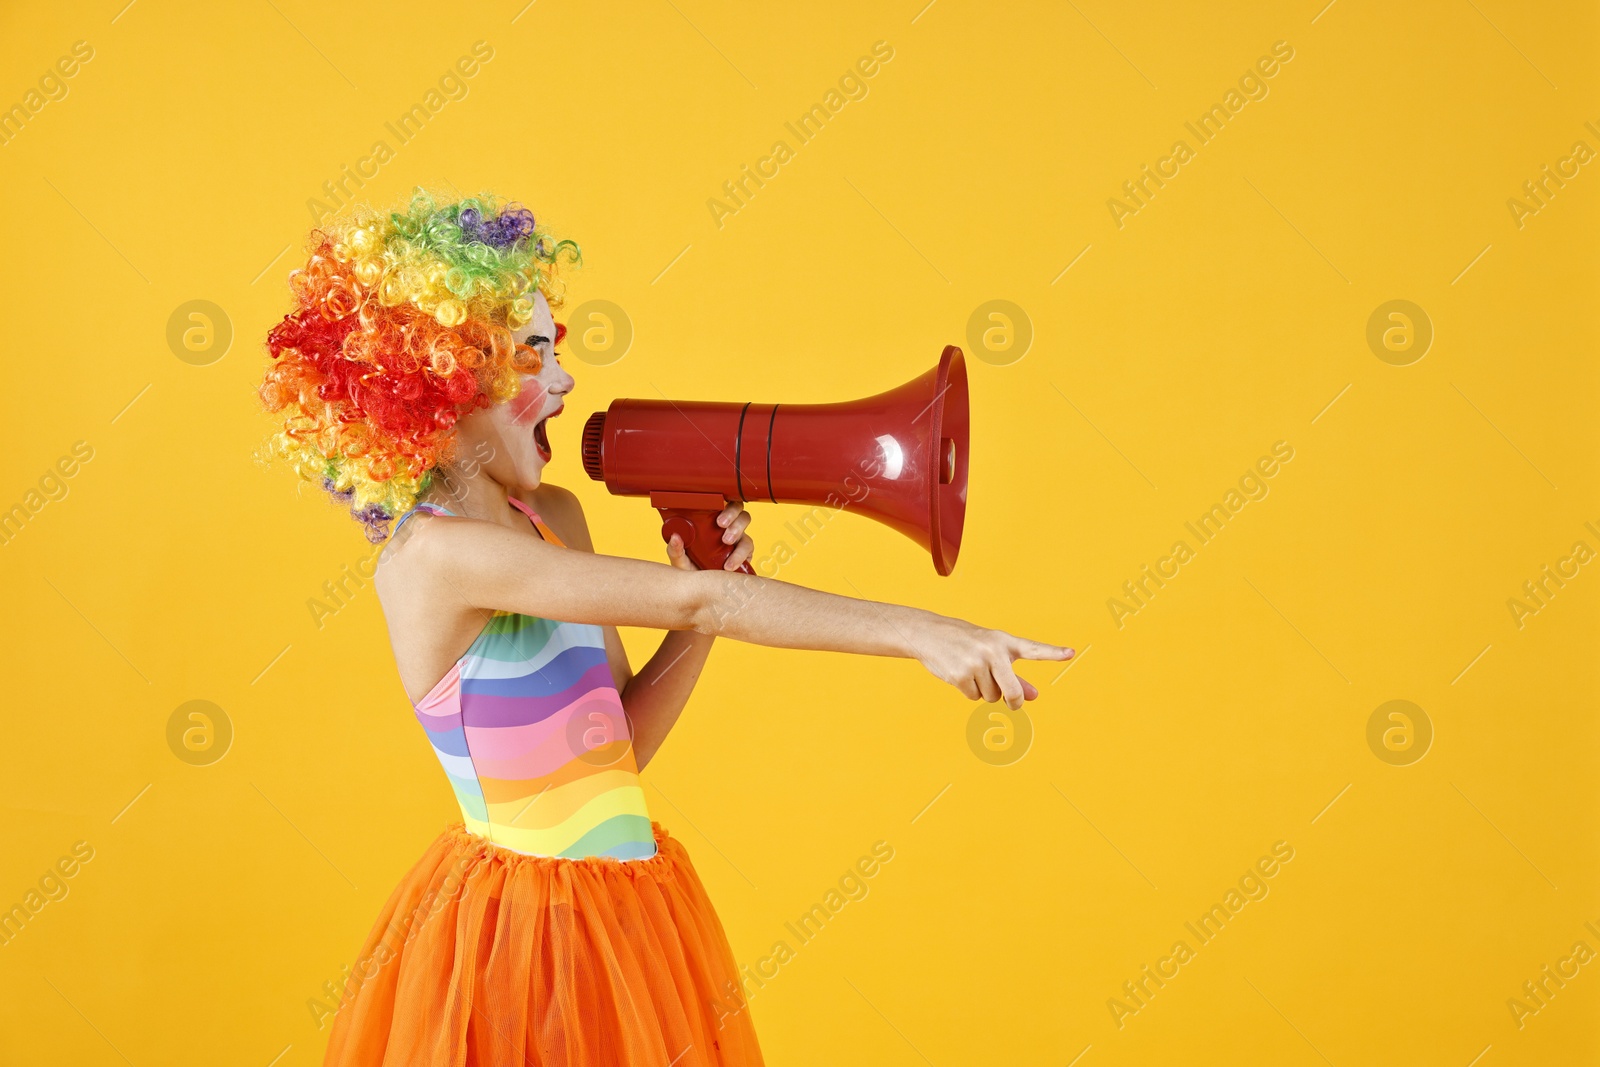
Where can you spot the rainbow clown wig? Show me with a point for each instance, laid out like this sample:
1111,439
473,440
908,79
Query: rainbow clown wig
403,325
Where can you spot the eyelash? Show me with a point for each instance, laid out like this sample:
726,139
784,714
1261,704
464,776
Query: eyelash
534,341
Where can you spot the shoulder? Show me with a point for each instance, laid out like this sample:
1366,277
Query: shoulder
417,544
562,511
426,542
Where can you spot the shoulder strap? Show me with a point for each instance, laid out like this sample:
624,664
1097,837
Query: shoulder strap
431,509
538,523
436,509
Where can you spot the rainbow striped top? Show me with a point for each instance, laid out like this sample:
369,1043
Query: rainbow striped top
530,730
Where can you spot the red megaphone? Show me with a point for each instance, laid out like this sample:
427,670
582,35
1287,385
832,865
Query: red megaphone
899,457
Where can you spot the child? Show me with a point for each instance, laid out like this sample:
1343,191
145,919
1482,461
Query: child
557,924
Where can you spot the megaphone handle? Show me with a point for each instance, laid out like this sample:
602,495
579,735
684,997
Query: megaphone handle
697,526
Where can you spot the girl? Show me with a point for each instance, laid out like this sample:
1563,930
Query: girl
556,924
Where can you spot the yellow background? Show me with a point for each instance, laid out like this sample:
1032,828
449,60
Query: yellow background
1225,316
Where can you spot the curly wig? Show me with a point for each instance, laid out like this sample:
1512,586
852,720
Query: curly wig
402,325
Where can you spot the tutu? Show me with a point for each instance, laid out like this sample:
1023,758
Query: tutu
488,957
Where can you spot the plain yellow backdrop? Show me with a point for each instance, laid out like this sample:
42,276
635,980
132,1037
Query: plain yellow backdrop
1168,354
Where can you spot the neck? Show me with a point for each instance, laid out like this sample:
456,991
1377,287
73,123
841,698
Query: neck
474,495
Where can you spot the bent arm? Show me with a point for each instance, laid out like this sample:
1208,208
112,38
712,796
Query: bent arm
657,695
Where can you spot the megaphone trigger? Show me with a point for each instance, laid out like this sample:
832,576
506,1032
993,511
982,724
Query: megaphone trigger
693,517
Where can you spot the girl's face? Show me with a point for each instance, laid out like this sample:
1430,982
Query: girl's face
509,441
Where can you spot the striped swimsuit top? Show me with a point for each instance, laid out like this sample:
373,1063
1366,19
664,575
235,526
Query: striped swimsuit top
530,730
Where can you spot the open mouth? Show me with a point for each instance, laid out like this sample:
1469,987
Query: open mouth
541,434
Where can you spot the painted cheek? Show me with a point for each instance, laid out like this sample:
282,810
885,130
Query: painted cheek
526,405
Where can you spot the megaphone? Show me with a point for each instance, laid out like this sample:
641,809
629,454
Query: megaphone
899,457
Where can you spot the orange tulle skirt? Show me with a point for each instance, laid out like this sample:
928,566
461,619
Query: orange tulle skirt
485,956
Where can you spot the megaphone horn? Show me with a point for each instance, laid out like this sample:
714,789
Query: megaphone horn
899,457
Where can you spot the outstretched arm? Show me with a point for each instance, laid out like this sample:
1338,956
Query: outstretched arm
496,568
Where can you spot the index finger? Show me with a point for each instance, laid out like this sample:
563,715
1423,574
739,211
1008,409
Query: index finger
1022,648
729,513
